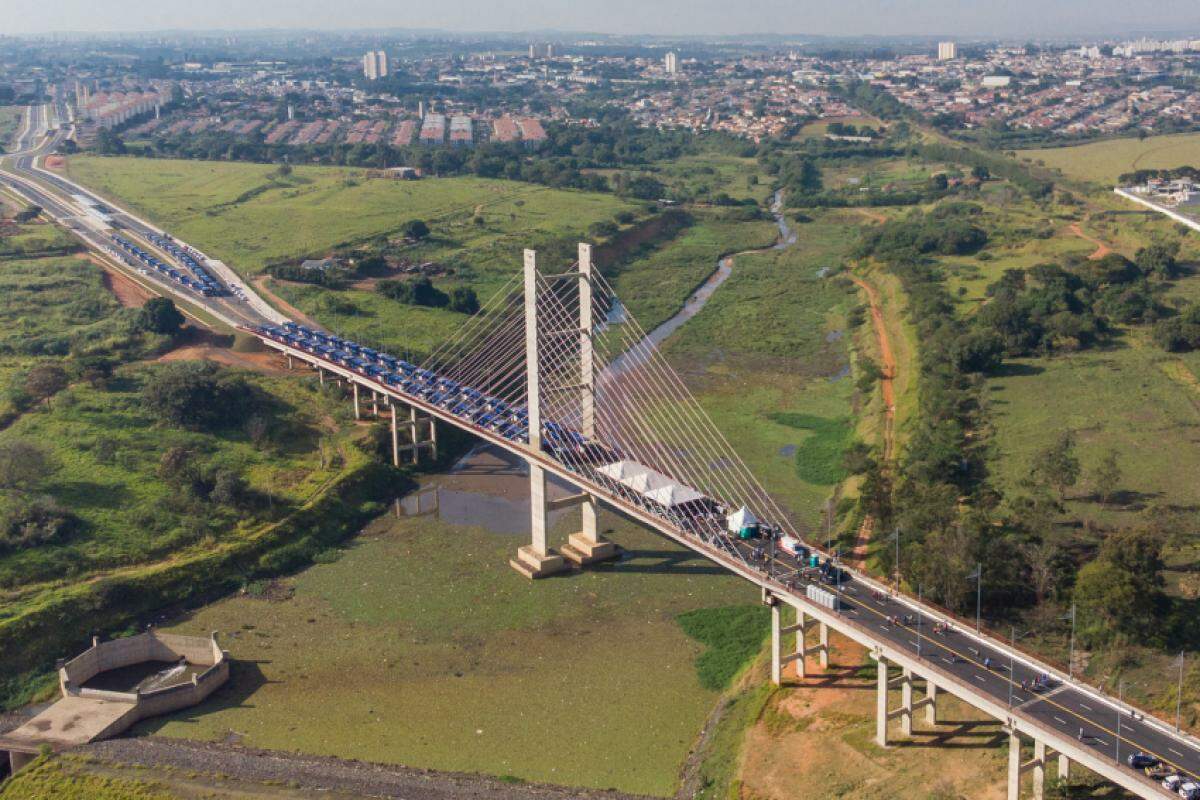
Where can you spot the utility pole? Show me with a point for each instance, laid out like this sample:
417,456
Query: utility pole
919,615
978,576
1179,695
1071,657
1120,702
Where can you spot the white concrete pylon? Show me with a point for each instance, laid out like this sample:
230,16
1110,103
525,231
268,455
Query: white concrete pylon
931,692
1014,765
776,670
801,643
881,700
1039,770
906,702
824,634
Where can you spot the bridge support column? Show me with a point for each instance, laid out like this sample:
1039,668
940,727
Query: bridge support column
1014,765
395,439
801,644
587,546
824,634
414,434
433,447
534,560
776,645
374,403
321,375
906,702
289,360
881,700
357,411
1039,770
931,692
1064,767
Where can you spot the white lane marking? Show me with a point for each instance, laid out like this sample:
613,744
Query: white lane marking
1176,752
1017,699
1101,741
882,627
979,678
1085,705
973,650
910,641
1060,720
948,661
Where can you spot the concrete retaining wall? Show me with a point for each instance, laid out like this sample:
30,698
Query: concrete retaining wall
148,646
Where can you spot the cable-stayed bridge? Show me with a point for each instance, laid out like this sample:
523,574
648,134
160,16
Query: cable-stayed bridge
553,370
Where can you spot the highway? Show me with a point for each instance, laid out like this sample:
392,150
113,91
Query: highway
1066,708
21,173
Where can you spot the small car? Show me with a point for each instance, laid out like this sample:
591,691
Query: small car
1140,760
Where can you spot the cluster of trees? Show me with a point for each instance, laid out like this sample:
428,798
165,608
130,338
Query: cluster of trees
27,518
197,395
1181,333
949,229
1143,175
193,480
333,278
421,292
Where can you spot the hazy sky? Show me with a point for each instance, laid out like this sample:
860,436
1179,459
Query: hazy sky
836,17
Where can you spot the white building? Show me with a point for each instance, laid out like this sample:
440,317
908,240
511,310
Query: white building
375,65
671,62
947,51
541,51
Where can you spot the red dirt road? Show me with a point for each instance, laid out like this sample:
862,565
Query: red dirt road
889,401
1101,248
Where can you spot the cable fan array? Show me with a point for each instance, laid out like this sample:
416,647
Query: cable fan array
615,413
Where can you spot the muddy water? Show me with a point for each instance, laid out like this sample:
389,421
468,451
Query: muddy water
488,488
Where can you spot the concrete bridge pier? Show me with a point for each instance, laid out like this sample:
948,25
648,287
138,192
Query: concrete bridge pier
535,560
1036,766
357,410
881,700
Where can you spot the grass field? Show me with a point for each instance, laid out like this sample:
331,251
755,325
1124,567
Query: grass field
248,216
68,779
1102,162
427,649
768,359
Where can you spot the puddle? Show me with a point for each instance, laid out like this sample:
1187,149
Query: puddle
788,450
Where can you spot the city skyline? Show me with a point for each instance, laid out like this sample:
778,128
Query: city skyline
669,17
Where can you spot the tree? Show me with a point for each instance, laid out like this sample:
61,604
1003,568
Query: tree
22,464
415,229
46,380
1158,259
1057,464
28,215
1120,592
159,315
197,395
1107,476
463,300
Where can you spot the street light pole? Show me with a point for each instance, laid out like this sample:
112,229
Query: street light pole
1011,648
896,563
1120,702
919,615
1179,696
978,598
1071,657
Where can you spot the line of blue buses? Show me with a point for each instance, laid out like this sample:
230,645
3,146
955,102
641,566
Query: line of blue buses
128,252
184,256
492,413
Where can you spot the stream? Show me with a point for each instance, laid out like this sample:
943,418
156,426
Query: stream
489,487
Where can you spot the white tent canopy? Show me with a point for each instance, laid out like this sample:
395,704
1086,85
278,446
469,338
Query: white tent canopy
742,518
650,483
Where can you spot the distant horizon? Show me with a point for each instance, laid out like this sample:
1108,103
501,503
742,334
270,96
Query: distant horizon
851,19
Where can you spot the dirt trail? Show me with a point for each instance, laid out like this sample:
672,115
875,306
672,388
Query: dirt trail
261,283
863,539
129,293
1102,249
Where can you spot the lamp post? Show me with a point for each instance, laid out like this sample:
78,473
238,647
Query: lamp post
1071,653
896,562
919,615
1179,695
1012,662
977,574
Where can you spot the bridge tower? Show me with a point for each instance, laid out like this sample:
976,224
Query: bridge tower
537,560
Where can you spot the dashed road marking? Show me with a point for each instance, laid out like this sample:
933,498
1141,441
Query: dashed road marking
1060,720
979,678
1176,752
1085,705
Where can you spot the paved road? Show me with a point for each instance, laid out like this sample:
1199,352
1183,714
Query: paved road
55,194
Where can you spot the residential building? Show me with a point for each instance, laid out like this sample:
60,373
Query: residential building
375,65
671,62
947,51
